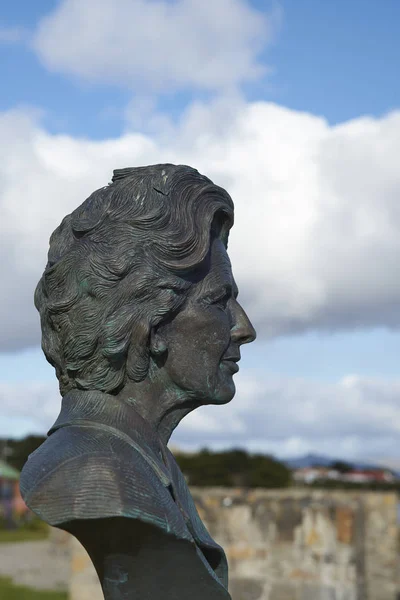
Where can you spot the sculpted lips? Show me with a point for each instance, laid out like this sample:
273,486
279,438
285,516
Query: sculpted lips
231,362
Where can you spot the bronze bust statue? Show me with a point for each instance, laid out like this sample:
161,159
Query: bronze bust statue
140,319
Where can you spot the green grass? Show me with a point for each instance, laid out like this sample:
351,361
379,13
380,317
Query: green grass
33,531
21,535
9,591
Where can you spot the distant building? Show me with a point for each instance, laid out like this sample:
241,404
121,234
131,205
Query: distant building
309,475
369,476
11,503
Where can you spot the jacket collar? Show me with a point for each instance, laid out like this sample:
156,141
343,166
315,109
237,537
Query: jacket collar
107,411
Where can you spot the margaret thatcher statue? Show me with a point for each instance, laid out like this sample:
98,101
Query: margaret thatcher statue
141,322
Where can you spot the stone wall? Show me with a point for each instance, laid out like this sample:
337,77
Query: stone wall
84,584
305,545
292,544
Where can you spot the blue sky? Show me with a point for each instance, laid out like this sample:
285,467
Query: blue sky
335,61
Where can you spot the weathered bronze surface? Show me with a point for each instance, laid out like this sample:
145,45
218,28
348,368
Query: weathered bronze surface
140,320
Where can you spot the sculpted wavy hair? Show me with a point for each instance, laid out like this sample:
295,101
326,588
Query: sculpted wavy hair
119,265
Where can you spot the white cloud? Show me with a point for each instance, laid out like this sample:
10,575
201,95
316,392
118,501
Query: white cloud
28,408
354,417
41,178
158,45
316,240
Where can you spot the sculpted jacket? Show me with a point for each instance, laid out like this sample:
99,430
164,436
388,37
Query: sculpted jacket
102,459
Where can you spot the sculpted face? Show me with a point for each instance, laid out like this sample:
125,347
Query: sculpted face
203,341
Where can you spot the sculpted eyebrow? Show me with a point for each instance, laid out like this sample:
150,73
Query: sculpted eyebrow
218,293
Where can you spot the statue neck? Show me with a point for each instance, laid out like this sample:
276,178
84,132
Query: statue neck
161,406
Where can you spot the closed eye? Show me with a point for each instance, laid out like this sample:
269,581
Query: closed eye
221,302
220,298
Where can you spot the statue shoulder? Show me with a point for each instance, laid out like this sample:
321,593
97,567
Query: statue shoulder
89,473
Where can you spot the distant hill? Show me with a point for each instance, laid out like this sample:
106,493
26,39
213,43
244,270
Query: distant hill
309,460
313,460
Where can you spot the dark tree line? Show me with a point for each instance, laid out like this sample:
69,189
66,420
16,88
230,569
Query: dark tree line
233,468
16,452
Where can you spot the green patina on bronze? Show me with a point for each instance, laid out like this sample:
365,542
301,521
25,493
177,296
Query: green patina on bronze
140,319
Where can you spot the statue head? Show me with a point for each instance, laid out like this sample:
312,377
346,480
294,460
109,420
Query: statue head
138,282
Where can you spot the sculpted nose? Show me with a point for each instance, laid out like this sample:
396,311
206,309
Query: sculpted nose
242,331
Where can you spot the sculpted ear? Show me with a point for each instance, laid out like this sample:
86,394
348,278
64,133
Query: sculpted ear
158,345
